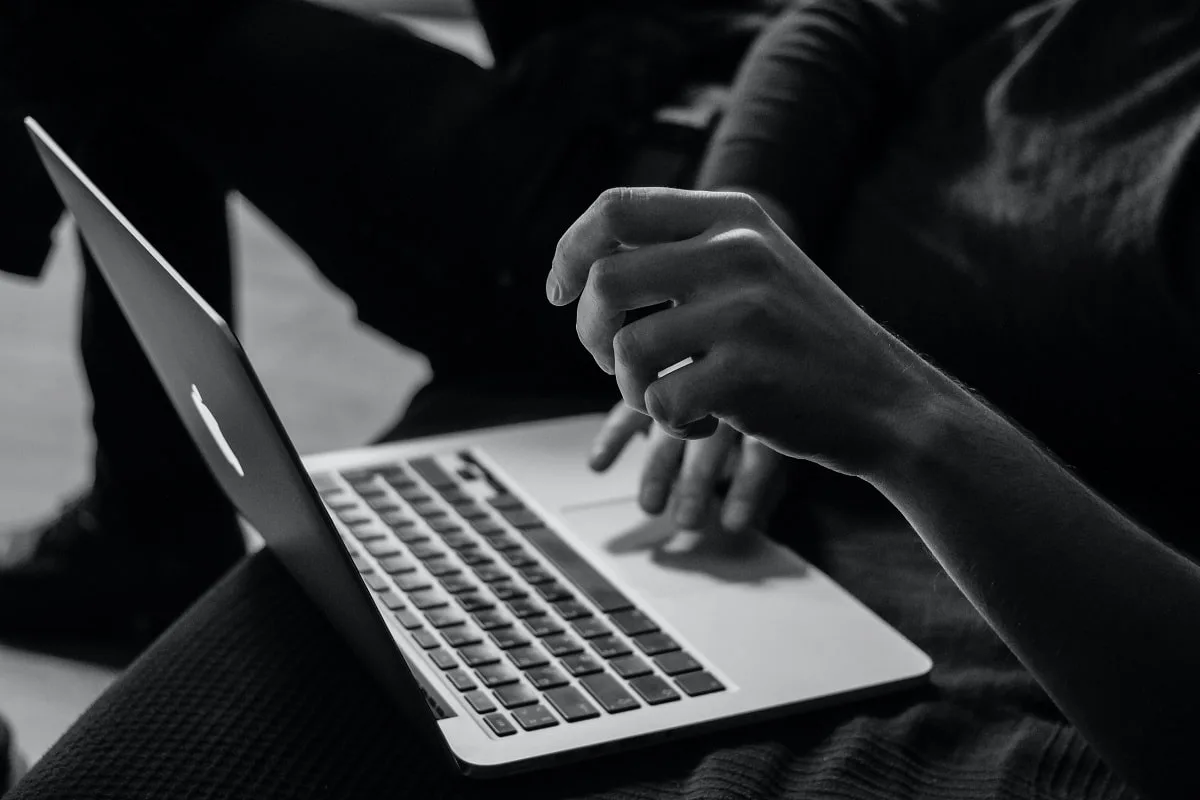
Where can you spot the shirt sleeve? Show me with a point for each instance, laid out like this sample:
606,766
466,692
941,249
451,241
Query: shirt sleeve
822,84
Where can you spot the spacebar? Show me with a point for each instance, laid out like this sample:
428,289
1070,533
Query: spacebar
594,586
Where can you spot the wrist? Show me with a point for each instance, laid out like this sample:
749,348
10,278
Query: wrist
923,427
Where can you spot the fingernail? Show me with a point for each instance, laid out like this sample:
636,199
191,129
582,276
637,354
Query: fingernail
737,516
687,515
554,291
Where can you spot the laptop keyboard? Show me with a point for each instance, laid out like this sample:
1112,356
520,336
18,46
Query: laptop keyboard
530,634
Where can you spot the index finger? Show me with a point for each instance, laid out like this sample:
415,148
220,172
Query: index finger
627,216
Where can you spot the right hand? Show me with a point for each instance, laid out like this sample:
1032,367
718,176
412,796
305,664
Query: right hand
686,476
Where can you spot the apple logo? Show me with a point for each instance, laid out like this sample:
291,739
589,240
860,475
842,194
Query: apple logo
215,430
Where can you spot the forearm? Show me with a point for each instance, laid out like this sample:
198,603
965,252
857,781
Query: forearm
1098,609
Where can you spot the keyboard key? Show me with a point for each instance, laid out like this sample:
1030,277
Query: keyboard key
609,647
485,526
355,516
654,690
500,724
590,628
525,608
474,601
509,637
477,655
397,565
461,680
562,644
445,525
582,575
582,664
534,717
490,619
516,695
475,558
383,547
444,617
554,592
490,573
427,550
546,677
457,584
426,639
414,494
535,574
470,510
654,643
392,600
633,622
411,535
443,659
480,701
340,504
502,541
517,557
506,590
527,657
630,667
676,663
454,495
505,500
461,636
409,619
521,518
609,693
438,567
363,565
433,473
698,683
393,473
427,599
543,625
493,675
377,582
571,609
570,703
368,533
382,502
458,540
429,510
412,582
395,518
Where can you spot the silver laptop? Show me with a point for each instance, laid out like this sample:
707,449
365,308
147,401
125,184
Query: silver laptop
519,605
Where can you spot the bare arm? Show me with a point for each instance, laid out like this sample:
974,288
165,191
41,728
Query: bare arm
1102,613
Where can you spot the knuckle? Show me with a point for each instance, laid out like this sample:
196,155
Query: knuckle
615,202
605,279
627,345
747,207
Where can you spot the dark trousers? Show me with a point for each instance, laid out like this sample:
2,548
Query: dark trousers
410,176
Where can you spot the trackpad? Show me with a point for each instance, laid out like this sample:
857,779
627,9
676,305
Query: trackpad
660,561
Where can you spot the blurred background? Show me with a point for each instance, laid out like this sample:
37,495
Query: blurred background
332,382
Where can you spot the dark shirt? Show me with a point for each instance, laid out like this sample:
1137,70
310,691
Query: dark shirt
1008,187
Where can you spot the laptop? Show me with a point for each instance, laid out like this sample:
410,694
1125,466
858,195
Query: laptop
519,606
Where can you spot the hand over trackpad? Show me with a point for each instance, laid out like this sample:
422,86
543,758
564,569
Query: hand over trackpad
664,561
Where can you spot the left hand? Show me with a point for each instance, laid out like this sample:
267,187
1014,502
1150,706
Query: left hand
687,477
778,351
